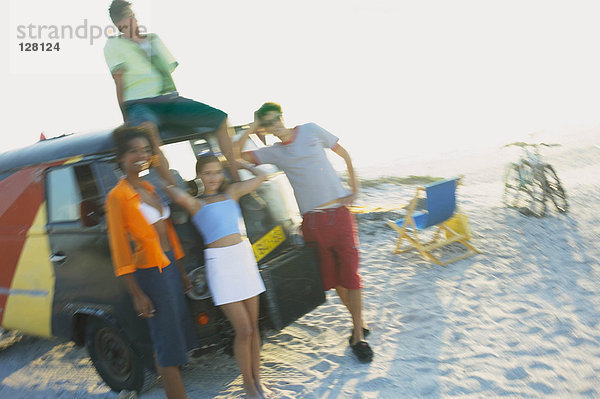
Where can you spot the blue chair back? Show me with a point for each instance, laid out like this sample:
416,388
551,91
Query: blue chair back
441,203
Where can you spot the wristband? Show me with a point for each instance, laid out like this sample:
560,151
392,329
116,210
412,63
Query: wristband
154,161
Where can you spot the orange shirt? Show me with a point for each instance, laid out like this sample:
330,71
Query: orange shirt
127,224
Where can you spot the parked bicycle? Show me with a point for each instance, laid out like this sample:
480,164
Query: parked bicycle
530,182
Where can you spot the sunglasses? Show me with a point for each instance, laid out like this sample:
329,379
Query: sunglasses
270,122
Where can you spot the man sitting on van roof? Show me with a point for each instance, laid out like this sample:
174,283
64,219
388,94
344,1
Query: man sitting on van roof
141,66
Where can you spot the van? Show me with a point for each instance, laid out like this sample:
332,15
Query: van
56,275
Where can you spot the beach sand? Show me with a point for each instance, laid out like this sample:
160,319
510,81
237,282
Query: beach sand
518,320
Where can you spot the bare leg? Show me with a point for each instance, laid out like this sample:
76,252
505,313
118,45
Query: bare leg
355,307
343,294
224,134
252,308
172,381
239,317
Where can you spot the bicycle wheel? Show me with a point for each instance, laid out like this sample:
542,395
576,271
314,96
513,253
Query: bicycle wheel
535,183
555,189
514,192
524,190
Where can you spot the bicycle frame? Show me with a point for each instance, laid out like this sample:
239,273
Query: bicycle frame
531,172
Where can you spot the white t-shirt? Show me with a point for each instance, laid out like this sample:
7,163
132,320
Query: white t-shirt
304,161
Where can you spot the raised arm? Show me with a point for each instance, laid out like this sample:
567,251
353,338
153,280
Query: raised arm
182,198
168,184
227,148
241,142
238,190
354,185
238,146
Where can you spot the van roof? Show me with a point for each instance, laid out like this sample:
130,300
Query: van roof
56,148
78,144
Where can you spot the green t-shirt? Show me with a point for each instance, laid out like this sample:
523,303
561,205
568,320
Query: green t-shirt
144,75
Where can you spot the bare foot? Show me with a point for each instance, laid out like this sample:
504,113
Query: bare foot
264,390
251,392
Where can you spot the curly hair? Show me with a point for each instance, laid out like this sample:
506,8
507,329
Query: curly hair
124,134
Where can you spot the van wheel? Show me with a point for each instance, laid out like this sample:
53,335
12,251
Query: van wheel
113,358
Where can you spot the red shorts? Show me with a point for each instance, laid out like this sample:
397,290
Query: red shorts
334,233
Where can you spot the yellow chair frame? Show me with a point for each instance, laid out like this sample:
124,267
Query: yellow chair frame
408,230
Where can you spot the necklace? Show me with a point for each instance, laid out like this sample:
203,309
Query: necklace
210,195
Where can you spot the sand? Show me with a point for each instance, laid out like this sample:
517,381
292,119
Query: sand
518,320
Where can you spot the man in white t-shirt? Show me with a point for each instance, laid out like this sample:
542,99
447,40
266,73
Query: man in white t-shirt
322,198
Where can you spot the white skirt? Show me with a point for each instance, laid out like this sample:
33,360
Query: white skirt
232,273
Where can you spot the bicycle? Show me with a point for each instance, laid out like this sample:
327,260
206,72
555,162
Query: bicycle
530,181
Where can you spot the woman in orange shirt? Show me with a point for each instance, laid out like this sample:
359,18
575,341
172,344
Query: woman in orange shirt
135,214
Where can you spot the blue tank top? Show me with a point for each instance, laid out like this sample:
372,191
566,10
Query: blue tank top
218,219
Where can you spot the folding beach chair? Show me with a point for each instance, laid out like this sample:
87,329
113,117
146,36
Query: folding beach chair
439,206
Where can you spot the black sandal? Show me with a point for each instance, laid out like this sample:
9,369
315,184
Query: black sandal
363,352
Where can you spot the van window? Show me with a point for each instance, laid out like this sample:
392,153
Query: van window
71,191
63,195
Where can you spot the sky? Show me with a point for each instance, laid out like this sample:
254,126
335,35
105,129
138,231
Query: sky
391,78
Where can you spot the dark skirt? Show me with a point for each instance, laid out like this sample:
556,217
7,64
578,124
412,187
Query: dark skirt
171,328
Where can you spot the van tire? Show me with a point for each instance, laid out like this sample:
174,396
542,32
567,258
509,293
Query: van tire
113,358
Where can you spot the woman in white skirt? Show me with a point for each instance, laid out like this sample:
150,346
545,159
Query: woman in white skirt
231,270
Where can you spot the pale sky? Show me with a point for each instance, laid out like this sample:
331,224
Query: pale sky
390,78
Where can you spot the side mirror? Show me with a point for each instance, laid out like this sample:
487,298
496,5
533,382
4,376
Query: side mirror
90,214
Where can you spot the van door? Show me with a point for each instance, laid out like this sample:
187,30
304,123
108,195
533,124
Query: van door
79,248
